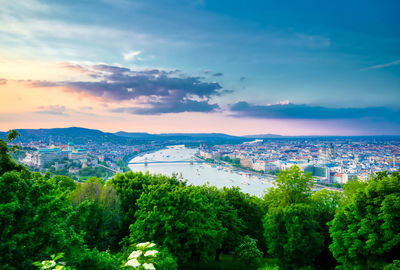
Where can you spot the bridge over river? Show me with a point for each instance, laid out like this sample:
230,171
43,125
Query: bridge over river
147,161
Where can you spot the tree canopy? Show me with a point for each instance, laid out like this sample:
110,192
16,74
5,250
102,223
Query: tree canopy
366,231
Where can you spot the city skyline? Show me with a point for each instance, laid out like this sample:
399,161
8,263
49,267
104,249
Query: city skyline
237,67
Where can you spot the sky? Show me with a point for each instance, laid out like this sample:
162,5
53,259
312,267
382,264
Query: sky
235,67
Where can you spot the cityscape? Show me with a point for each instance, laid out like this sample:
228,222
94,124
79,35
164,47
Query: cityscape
199,135
331,161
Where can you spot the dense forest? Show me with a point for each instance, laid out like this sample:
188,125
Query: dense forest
145,221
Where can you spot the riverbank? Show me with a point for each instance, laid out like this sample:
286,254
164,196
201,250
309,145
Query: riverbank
197,173
272,177
239,168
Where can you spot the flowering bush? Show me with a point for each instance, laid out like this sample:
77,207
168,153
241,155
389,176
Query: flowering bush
147,257
143,257
52,264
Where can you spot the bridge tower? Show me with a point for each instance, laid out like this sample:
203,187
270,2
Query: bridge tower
145,161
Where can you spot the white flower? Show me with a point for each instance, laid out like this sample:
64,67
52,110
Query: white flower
151,253
149,266
135,254
151,245
143,244
48,264
133,263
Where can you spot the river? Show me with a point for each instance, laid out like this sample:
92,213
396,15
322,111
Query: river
200,173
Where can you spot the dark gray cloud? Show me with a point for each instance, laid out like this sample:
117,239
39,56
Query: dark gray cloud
3,81
295,111
54,110
218,74
160,91
111,69
171,107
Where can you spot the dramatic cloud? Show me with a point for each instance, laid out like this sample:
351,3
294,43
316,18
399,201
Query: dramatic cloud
286,110
3,81
54,110
156,91
172,107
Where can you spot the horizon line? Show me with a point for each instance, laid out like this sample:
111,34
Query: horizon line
244,136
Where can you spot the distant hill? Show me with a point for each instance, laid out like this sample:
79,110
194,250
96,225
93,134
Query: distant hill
84,135
64,135
211,138
71,131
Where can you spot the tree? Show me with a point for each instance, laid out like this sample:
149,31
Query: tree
97,215
351,188
6,162
292,235
229,218
366,231
129,187
248,254
325,203
294,211
292,186
64,183
32,220
250,211
180,218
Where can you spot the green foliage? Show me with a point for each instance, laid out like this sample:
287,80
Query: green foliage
93,172
292,235
129,187
97,214
296,223
6,162
292,186
94,260
180,218
32,220
325,203
366,231
395,265
228,216
11,136
250,212
234,161
351,188
248,254
165,260
64,183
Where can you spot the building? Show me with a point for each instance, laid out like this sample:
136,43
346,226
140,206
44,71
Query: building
340,178
265,166
246,162
323,173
